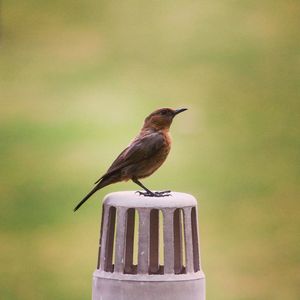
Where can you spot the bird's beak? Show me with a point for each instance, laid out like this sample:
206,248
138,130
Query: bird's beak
178,111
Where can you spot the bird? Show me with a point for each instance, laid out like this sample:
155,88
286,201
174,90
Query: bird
144,155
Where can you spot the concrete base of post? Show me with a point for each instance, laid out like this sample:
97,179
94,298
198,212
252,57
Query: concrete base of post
110,289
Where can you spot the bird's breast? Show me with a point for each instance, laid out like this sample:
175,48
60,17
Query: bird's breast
150,165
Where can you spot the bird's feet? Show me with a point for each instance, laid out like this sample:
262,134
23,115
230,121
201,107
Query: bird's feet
154,194
163,193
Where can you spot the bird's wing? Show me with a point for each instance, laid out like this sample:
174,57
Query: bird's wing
140,149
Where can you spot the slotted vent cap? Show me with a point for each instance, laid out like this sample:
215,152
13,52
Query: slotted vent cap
149,238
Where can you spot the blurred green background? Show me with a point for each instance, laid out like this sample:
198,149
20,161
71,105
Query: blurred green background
77,80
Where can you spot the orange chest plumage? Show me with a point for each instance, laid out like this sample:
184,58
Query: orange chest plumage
167,143
150,165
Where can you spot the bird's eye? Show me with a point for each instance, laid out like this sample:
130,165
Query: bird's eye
163,112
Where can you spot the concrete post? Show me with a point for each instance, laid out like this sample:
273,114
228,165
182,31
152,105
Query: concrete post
171,271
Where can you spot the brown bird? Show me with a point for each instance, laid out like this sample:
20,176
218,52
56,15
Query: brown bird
145,154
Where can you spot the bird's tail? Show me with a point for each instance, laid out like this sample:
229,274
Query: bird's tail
102,182
94,190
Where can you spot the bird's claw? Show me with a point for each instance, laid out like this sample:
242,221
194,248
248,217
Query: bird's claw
162,193
155,194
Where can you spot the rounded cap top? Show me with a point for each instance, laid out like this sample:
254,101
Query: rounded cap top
132,199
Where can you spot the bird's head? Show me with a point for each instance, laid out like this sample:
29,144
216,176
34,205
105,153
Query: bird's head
162,118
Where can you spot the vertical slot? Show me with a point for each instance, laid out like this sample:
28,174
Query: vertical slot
135,242
177,231
183,247
101,233
188,240
109,247
154,242
130,237
161,253
114,242
195,241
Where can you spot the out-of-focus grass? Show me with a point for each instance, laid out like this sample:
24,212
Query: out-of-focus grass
77,79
